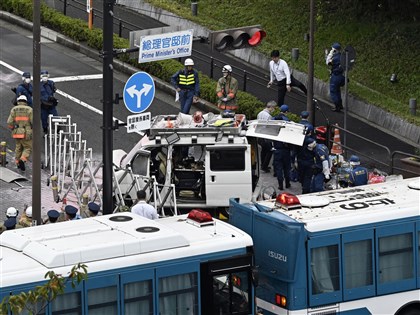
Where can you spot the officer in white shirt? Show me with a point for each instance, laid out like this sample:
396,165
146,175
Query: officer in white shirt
142,208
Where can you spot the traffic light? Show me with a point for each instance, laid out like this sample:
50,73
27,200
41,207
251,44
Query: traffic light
236,38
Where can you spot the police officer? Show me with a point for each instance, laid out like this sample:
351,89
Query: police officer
71,213
359,174
337,79
26,218
226,89
304,121
48,101
91,211
53,216
282,162
321,168
9,224
284,109
187,84
25,88
11,213
20,122
305,161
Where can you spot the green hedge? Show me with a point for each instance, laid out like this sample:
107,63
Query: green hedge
78,30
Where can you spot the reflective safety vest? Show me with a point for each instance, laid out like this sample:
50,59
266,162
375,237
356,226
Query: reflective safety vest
186,81
20,121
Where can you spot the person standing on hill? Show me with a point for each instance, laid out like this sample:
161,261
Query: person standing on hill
337,79
187,85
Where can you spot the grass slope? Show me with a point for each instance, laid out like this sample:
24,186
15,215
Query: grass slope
386,40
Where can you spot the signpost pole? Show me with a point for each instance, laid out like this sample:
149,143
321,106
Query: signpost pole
107,106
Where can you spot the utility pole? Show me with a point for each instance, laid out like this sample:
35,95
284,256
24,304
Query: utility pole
36,125
107,55
309,97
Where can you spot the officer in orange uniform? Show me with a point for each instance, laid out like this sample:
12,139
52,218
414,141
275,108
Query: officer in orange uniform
20,122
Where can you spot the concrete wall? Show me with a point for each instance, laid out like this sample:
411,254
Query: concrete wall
374,115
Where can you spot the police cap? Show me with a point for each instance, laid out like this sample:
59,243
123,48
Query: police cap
284,108
304,114
26,75
70,210
336,46
54,214
93,207
10,223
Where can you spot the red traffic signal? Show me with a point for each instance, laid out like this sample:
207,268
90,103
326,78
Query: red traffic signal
236,38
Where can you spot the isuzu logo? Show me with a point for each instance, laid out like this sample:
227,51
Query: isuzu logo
277,256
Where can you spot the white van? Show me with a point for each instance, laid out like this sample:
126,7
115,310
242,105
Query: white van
208,161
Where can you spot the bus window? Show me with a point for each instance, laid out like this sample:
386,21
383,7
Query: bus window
103,301
358,271
395,258
68,303
418,258
178,295
138,298
325,269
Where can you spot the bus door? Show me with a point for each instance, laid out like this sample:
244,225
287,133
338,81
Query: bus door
226,286
227,173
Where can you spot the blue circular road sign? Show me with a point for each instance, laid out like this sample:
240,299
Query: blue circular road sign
139,92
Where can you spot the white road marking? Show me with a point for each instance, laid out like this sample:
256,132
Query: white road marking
69,78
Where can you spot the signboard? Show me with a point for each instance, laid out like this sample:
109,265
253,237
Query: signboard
139,92
165,46
88,6
139,122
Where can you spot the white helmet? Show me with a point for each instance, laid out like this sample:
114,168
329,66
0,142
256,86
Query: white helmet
11,212
188,62
227,68
29,212
22,98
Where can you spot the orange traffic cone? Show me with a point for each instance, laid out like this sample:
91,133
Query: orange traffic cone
336,147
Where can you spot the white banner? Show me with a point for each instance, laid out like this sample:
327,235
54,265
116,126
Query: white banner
165,46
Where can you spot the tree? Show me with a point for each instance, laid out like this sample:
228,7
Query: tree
36,300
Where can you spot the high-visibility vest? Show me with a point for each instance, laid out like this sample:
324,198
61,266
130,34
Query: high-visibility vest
186,80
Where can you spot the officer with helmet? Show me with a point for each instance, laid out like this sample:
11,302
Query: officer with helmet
337,79
48,101
20,123
187,85
359,174
25,88
26,219
226,89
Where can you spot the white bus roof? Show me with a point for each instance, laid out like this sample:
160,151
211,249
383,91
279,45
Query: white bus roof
355,206
99,240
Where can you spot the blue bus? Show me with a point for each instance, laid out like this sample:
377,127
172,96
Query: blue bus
347,251
183,265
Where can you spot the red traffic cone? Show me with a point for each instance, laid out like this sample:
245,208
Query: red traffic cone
336,147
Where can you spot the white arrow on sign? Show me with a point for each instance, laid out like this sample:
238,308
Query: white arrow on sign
145,90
